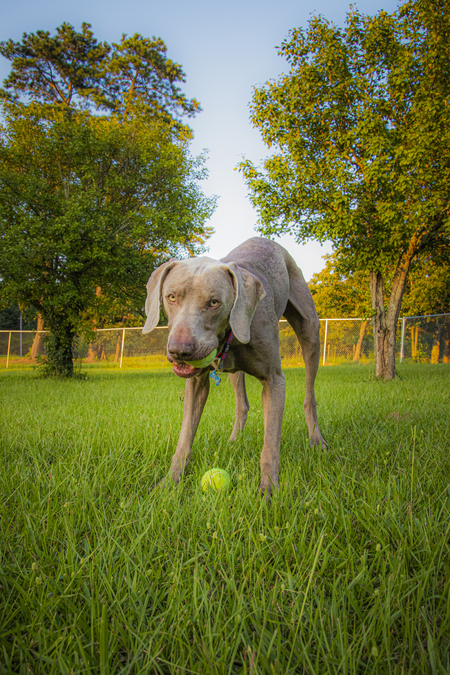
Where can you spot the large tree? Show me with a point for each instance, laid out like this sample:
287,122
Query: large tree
91,200
360,130
72,69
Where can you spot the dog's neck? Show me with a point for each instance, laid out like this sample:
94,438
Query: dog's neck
225,342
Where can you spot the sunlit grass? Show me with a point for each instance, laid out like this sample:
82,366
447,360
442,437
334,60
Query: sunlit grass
346,571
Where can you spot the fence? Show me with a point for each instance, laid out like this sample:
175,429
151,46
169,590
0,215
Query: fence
423,339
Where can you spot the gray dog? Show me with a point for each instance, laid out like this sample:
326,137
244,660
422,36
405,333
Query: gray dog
233,306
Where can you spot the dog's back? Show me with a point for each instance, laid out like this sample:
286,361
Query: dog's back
270,262
277,271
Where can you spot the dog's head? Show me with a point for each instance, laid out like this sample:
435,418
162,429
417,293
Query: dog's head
201,298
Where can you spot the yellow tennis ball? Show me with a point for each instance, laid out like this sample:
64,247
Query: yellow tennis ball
215,479
202,363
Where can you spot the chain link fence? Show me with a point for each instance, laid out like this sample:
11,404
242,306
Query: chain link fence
422,339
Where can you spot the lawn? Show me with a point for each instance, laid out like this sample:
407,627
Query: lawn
346,571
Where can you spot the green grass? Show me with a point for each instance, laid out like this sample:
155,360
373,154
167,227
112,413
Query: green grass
346,571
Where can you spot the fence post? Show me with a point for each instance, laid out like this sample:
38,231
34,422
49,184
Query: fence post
325,342
20,323
403,339
9,346
121,349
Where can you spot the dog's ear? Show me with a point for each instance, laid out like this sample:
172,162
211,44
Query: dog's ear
248,292
153,301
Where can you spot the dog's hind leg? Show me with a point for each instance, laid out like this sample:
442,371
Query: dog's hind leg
302,316
242,404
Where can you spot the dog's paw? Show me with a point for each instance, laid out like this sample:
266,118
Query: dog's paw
177,472
317,439
268,485
159,484
166,482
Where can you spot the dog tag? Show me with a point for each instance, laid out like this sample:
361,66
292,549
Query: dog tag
214,376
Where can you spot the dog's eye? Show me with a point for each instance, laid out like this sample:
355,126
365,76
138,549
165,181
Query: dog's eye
171,297
214,303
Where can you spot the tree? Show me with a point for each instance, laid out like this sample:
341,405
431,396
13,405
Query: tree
360,133
140,74
66,68
74,70
340,295
91,201
428,287
88,202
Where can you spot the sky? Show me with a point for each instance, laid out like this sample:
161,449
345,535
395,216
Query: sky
226,49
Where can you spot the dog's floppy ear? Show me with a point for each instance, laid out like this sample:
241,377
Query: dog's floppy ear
153,301
248,292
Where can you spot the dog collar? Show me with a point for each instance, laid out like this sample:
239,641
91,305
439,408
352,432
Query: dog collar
220,357
218,361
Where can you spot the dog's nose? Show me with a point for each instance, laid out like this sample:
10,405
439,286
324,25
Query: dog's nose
181,350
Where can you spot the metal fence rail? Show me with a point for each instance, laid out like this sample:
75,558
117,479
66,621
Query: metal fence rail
422,339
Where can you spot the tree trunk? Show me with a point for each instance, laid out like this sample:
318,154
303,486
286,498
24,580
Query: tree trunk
59,343
92,354
416,341
385,322
93,350
362,332
383,368
38,342
118,345
436,348
435,353
446,338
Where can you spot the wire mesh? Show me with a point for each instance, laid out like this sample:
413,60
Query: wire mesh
346,340
426,339
420,339
126,346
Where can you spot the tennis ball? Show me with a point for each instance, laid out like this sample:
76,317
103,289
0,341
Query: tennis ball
204,362
215,479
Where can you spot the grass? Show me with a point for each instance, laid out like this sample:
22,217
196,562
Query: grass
346,571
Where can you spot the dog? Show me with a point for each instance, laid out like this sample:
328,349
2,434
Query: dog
233,305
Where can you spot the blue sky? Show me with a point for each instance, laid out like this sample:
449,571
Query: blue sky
226,49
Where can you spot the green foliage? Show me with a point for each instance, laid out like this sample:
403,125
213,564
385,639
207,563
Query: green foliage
360,133
65,68
10,318
428,287
139,73
360,138
91,201
87,202
59,345
339,295
346,571
73,69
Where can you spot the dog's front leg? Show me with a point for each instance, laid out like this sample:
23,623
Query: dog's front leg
273,395
195,395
